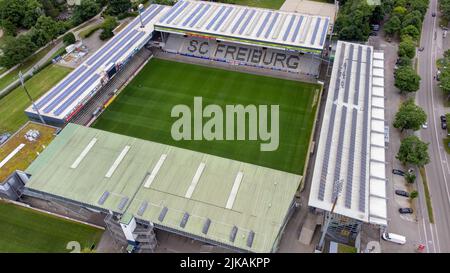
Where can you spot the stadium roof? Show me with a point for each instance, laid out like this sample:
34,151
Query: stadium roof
351,147
241,24
81,84
164,185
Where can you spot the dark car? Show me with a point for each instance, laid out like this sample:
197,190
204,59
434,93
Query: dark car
443,118
402,193
433,14
421,49
405,210
398,172
443,122
373,33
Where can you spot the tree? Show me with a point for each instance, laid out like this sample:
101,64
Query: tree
393,25
16,50
352,22
69,38
117,7
413,18
86,10
445,81
48,26
414,194
419,5
20,13
404,61
410,177
399,11
445,8
413,151
411,31
406,79
108,27
407,48
409,117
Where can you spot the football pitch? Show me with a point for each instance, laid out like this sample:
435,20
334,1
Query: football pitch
143,110
26,230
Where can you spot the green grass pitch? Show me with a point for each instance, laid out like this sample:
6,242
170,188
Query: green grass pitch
25,230
143,110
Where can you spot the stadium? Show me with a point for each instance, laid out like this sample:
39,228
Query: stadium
120,160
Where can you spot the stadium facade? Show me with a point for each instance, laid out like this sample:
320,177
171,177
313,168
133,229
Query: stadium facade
235,34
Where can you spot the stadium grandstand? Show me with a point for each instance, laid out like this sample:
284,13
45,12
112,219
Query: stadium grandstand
350,169
219,201
66,98
239,35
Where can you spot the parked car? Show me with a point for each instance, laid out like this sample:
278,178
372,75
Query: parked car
443,122
398,172
402,193
425,125
405,210
421,49
373,33
395,238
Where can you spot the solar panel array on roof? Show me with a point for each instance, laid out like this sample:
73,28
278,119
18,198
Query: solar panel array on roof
348,114
66,96
233,233
122,203
103,198
163,213
251,236
255,25
206,226
142,208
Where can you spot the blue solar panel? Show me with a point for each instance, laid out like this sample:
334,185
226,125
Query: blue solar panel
358,72
176,13
362,186
326,157
213,21
193,14
288,30
80,91
340,146
61,86
348,74
153,15
199,16
351,160
316,28
172,10
324,32
297,29
238,22
108,46
252,13
264,24
219,24
83,77
269,30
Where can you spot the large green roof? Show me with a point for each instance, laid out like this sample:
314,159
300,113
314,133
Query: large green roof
260,205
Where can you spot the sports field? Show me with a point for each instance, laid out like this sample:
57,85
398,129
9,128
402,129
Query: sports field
143,110
26,230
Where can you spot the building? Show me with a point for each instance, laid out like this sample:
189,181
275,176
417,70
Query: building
292,41
143,185
351,149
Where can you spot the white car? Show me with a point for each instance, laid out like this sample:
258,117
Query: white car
395,238
425,125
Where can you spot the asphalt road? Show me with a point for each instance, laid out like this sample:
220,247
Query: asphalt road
430,98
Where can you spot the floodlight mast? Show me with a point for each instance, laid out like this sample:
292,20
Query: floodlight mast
29,97
140,9
336,192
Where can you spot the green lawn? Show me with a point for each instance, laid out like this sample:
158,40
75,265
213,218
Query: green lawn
143,110
12,106
26,230
270,4
25,66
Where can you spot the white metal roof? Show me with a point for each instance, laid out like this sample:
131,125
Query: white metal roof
243,24
351,146
82,83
